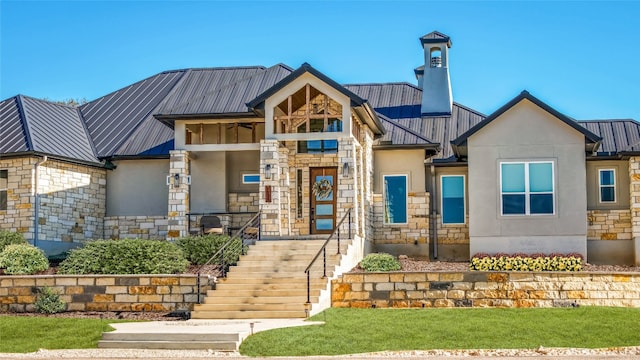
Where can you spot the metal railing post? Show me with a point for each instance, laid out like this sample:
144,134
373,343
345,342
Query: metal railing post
349,224
308,287
338,241
324,262
198,283
224,266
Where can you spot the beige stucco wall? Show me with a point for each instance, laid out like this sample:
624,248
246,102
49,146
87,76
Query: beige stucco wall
239,163
399,162
621,168
208,182
525,133
138,188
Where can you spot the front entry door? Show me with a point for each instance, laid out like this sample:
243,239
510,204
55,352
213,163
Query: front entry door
323,200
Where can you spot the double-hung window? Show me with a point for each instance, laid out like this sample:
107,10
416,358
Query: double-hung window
452,201
395,199
607,184
527,188
4,177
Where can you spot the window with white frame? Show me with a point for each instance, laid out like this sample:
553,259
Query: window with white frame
4,179
251,178
452,199
607,184
395,199
527,188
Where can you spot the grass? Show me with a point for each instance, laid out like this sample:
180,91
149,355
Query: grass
351,331
20,334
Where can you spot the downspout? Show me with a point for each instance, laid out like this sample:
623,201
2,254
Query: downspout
36,200
434,221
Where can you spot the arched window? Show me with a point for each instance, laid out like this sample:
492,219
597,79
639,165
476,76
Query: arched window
436,57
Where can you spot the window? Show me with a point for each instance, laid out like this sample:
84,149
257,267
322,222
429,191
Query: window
251,178
320,146
452,201
527,188
395,199
4,176
607,181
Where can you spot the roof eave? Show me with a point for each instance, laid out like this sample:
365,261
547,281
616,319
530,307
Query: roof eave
53,156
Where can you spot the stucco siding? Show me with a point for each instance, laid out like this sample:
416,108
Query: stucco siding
527,133
399,162
208,182
621,169
239,163
138,188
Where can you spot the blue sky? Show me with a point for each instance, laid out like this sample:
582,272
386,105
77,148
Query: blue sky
579,57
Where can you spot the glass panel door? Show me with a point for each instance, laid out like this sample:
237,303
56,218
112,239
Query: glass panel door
323,200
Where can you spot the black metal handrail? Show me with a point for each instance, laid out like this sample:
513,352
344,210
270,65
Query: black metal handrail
241,234
323,251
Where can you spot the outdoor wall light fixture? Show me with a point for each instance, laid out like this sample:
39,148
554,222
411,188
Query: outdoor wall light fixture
345,170
176,180
267,172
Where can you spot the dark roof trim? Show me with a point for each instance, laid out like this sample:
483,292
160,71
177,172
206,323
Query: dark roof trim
434,147
55,157
304,68
25,122
169,119
525,95
435,37
137,157
406,129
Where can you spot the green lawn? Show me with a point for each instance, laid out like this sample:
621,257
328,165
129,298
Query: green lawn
19,334
350,331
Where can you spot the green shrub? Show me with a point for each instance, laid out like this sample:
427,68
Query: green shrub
380,262
199,249
48,301
126,256
523,262
22,259
9,238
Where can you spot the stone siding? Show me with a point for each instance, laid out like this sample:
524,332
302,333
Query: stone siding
416,231
72,199
19,214
141,227
485,289
609,225
178,194
634,192
104,292
449,234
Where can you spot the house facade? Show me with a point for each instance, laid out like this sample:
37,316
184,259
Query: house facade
406,168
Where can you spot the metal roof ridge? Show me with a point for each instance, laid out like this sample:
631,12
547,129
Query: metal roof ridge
49,102
609,120
388,83
469,109
25,122
83,123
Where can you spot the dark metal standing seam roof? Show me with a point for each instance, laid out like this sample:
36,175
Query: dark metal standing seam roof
399,103
111,119
30,124
225,94
617,135
13,136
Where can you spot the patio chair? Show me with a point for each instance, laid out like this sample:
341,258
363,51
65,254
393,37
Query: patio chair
211,225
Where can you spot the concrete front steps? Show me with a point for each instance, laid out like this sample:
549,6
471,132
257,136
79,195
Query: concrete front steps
171,341
269,282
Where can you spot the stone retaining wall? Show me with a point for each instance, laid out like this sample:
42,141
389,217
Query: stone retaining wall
486,289
105,292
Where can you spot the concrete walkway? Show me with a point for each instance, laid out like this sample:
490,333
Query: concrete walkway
242,327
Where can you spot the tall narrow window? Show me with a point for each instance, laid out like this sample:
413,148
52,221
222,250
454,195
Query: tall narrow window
452,201
607,185
527,188
395,199
299,193
4,179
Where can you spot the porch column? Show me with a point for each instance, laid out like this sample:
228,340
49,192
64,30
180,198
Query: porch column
348,187
178,194
270,176
634,188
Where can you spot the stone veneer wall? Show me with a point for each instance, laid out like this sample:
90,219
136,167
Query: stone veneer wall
415,231
72,199
449,234
104,292
19,214
178,224
486,289
609,225
141,227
